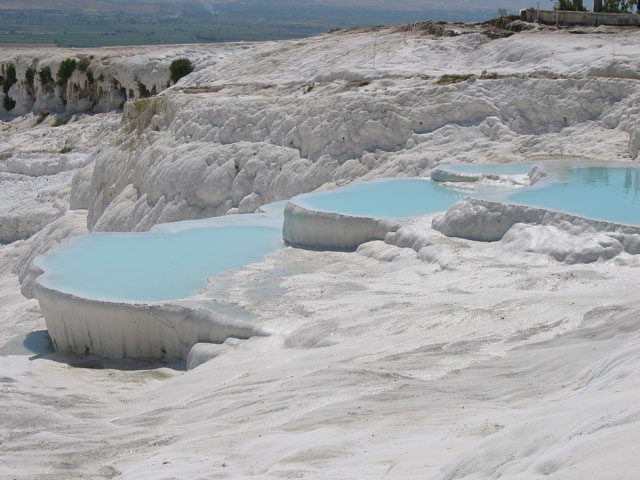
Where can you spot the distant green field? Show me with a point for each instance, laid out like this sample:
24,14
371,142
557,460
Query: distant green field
193,23
101,29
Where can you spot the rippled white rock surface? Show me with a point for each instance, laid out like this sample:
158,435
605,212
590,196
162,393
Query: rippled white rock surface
281,118
420,356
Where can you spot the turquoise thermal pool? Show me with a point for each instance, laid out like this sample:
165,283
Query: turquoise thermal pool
606,193
173,261
388,198
151,267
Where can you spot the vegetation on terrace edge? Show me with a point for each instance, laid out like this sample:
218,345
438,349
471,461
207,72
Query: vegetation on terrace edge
451,78
8,79
179,68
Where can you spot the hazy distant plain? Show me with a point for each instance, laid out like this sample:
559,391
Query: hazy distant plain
70,23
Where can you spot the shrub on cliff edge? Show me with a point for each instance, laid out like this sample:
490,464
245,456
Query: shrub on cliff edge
10,78
46,80
179,68
8,103
65,70
29,76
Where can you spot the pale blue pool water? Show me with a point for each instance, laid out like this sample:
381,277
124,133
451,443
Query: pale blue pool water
174,261
607,193
492,169
150,267
389,198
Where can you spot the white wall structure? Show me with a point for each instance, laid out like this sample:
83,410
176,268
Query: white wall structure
566,17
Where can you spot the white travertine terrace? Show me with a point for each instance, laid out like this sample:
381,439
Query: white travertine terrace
489,221
331,231
118,330
516,358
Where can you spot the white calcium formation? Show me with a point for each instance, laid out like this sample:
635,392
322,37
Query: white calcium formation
503,348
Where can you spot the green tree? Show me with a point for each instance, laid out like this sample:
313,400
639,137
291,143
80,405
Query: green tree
45,77
575,5
8,103
179,68
83,64
619,6
143,91
65,70
29,76
9,78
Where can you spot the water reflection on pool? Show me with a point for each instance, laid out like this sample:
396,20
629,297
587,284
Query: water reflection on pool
609,193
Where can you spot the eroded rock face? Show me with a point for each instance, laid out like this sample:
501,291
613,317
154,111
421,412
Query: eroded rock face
82,92
103,78
187,156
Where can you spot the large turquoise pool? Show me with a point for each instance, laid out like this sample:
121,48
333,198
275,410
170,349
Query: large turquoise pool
388,198
156,266
607,193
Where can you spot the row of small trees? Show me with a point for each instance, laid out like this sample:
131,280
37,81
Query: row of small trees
606,6
9,78
178,69
621,6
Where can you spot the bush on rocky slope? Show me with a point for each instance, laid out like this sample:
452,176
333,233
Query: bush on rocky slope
46,80
179,68
66,69
9,78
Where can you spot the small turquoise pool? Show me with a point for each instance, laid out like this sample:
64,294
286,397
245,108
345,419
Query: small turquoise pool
607,193
388,198
156,266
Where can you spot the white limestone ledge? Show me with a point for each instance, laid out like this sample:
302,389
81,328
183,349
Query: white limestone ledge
117,330
446,174
320,230
489,221
442,175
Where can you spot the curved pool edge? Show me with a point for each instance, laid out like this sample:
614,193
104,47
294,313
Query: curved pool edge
320,230
488,221
120,330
